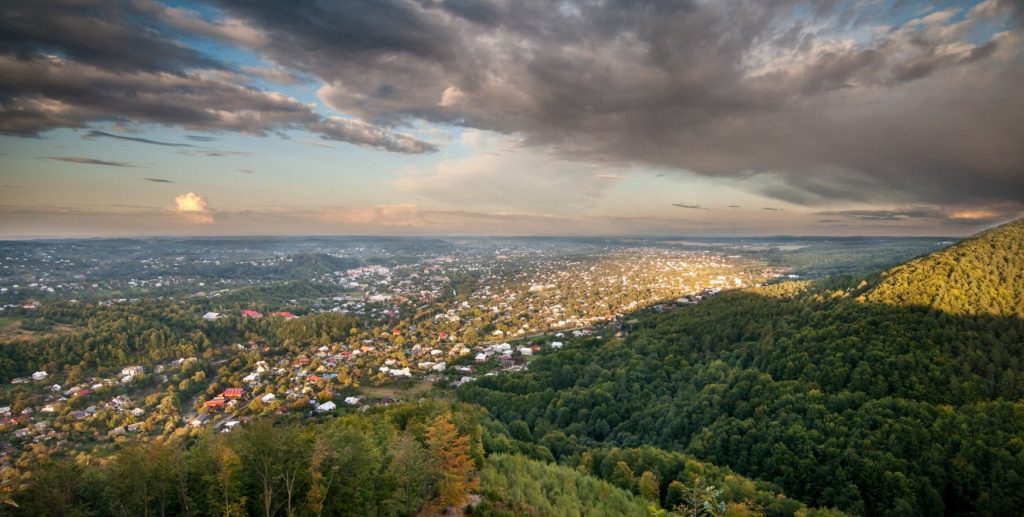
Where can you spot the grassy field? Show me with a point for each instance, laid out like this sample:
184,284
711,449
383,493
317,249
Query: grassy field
10,331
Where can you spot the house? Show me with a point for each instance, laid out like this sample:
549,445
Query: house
353,401
269,397
132,371
115,432
134,428
526,351
252,314
214,403
326,407
556,344
481,357
232,393
211,316
284,314
39,376
137,412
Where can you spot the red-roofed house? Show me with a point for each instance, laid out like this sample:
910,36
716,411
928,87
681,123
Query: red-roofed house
252,314
232,393
284,314
215,403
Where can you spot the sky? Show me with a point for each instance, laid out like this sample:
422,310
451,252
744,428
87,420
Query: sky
510,117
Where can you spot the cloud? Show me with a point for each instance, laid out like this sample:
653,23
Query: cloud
200,138
193,208
65,63
813,103
818,97
772,209
958,215
695,207
247,171
158,180
103,134
887,215
348,130
89,161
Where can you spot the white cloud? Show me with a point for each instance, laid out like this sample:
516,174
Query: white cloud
450,96
194,208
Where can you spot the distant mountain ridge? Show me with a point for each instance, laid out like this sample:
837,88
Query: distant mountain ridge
983,274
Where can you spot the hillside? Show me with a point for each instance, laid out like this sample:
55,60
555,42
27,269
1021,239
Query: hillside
408,459
980,275
874,407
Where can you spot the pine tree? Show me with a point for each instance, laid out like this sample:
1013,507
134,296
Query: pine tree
452,464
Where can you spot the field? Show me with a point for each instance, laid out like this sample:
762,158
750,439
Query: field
11,331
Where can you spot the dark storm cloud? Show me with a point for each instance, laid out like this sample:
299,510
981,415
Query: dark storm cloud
88,161
104,134
806,102
99,32
917,112
70,63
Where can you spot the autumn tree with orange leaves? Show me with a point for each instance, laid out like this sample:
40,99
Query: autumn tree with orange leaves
453,467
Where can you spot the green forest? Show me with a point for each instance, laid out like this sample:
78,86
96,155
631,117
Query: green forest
409,459
880,396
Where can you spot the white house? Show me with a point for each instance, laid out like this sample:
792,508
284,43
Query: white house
269,397
210,316
526,350
41,375
556,344
132,371
326,407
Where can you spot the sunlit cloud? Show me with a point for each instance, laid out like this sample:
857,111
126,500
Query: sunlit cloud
193,208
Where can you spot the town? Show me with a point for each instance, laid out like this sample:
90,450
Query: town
394,325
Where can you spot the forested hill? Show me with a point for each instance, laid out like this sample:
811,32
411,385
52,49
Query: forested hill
906,401
981,275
